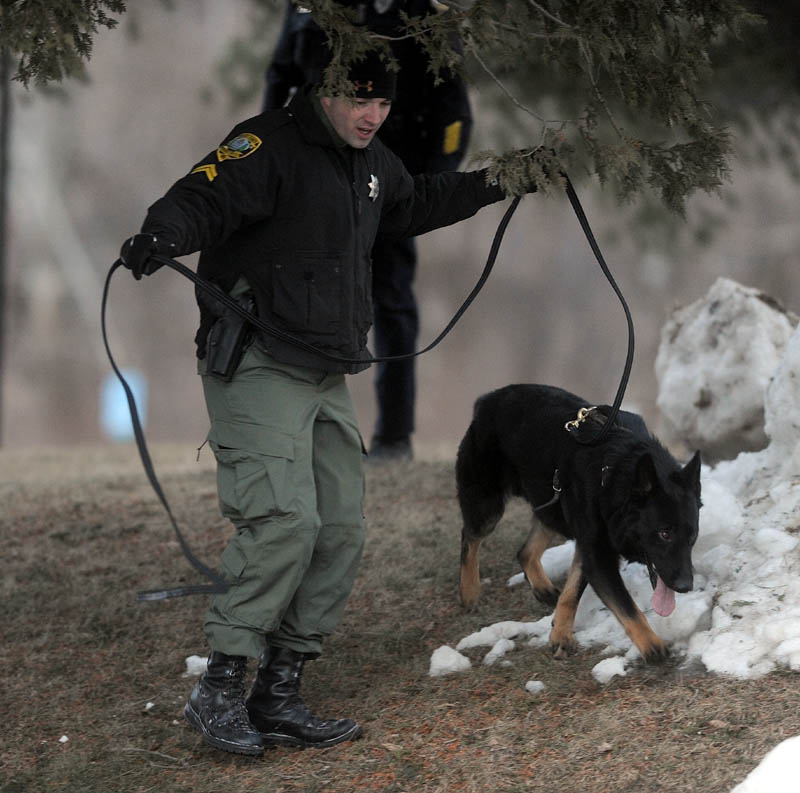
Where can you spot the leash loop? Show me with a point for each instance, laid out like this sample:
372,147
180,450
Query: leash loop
217,585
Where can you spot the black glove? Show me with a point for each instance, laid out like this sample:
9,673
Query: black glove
137,252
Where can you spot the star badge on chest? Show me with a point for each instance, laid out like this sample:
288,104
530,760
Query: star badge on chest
374,187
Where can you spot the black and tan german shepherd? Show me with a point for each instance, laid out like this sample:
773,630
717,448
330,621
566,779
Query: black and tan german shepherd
625,497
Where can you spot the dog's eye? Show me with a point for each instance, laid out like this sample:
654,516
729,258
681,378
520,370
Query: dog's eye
665,535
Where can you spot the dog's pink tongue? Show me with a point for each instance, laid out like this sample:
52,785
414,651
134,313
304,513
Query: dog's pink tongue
663,600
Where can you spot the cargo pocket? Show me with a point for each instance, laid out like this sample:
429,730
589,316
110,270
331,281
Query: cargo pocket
252,470
233,561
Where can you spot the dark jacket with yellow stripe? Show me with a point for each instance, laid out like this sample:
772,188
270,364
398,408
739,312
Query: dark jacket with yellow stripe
286,205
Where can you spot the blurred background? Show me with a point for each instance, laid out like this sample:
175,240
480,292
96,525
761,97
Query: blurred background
87,157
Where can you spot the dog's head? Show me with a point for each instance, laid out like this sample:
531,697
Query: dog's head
657,521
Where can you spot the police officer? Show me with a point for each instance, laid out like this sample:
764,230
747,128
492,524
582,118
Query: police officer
429,130
286,212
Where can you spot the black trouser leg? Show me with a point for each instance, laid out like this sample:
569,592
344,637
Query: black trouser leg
396,326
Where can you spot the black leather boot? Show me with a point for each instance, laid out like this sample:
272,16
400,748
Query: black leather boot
278,712
216,706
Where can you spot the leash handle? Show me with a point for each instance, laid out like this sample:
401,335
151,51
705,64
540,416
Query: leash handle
218,585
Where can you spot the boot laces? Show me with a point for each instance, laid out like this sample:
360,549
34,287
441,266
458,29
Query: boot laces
234,693
237,715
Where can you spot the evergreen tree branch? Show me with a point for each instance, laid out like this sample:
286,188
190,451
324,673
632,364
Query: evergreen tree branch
475,54
598,94
545,13
52,39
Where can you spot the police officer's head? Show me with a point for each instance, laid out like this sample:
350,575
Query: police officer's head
358,117
372,77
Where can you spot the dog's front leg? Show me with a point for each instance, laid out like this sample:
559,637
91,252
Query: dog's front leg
607,583
562,637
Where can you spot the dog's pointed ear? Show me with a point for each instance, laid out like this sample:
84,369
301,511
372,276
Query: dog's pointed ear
691,472
646,476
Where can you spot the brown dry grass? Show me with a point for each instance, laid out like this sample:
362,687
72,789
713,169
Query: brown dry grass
82,533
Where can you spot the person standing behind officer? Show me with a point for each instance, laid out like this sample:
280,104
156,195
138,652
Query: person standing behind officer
284,213
429,129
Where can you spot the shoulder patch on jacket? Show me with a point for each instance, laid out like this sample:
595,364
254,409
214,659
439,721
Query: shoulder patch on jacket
238,147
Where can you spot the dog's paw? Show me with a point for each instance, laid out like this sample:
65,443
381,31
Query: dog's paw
549,597
469,591
563,651
562,646
655,652
469,600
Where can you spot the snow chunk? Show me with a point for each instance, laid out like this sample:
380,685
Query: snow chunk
714,362
195,665
782,402
490,635
446,660
499,649
608,668
777,772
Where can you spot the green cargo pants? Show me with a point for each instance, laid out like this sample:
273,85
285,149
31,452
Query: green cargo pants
290,478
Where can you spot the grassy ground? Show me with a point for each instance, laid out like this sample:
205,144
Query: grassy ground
82,533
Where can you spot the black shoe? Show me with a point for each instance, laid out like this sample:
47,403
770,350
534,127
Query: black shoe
390,451
278,712
216,707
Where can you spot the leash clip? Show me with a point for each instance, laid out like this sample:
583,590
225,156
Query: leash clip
583,414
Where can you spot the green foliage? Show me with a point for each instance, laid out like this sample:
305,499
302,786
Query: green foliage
628,79
51,39
520,170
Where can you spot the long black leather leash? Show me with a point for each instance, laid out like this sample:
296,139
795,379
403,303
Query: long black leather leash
271,330
626,373
218,584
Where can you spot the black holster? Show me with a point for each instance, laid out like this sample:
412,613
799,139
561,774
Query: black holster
227,339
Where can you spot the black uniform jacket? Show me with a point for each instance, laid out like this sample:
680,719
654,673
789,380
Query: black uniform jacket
284,203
